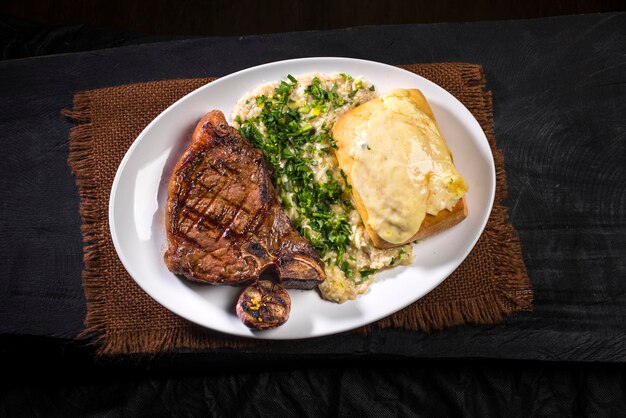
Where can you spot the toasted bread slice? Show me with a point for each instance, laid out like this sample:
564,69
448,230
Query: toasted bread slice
430,225
344,135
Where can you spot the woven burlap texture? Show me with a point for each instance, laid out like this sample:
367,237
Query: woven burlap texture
121,318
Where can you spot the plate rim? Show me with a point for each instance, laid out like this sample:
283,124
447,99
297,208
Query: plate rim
265,336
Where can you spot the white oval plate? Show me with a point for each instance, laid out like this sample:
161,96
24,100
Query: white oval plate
139,192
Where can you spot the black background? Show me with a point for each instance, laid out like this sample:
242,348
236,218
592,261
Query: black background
252,17
36,27
559,105
54,379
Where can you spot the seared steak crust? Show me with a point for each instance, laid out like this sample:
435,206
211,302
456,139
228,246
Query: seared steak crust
224,223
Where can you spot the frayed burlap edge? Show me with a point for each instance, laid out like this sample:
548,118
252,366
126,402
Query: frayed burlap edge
81,161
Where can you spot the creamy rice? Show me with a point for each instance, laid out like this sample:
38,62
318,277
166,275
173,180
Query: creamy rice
349,274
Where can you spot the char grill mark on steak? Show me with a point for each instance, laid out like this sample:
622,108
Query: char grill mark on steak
224,223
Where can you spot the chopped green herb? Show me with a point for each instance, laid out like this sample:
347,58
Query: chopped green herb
401,256
367,272
364,274
322,98
345,179
345,267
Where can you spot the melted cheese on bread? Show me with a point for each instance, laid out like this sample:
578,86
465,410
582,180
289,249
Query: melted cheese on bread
398,164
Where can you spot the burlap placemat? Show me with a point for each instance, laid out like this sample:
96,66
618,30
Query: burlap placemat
121,318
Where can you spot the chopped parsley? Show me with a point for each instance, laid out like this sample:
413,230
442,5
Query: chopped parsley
401,256
320,205
345,267
367,272
345,180
364,274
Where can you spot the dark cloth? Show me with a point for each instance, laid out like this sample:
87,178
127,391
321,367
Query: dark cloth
23,39
57,380
558,87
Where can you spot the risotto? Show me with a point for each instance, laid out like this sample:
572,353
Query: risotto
291,122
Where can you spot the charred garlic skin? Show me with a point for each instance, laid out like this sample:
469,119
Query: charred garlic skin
264,305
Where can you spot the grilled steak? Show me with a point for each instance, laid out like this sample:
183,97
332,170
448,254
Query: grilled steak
223,220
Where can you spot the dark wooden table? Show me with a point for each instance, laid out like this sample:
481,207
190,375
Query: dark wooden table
253,17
